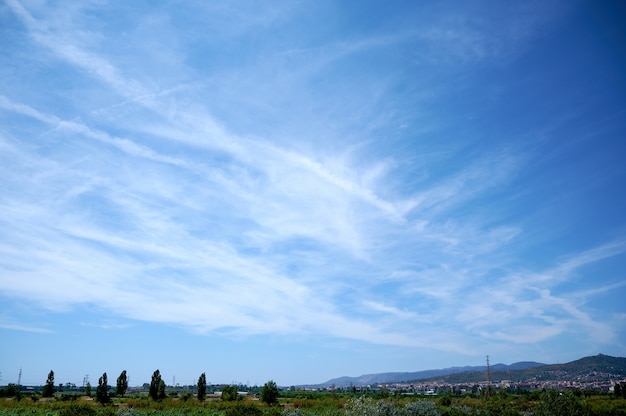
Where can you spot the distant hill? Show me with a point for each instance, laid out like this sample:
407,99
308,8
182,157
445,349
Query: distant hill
598,367
398,377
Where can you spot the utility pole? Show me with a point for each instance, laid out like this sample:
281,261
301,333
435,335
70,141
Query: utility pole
488,378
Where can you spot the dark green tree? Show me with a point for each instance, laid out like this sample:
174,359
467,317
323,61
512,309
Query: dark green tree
102,395
88,389
122,384
12,390
154,385
161,392
48,388
269,393
202,387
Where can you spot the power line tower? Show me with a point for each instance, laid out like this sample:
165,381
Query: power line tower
488,378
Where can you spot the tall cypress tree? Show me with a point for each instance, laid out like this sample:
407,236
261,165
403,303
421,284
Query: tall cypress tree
122,384
154,385
48,388
202,387
102,395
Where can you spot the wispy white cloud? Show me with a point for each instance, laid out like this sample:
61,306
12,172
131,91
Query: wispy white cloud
99,277
95,65
158,206
19,327
9,105
381,307
499,34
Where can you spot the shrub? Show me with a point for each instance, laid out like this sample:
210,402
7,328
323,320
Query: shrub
293,412
366,406
127,412
386,409
243,409
75,409
229,393
461,411
361,406
421,408
445,401
67,397
273,411
106,411
555,403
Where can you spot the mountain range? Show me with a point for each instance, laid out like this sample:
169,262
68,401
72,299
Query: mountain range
520,371
599,368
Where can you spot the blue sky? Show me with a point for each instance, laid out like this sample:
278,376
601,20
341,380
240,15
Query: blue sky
301,190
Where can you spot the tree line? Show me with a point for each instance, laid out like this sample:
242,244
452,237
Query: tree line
269,391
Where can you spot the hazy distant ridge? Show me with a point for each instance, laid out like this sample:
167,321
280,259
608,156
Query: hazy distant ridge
521,371
396,377
596,367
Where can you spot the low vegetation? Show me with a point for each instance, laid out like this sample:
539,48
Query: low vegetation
303,403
